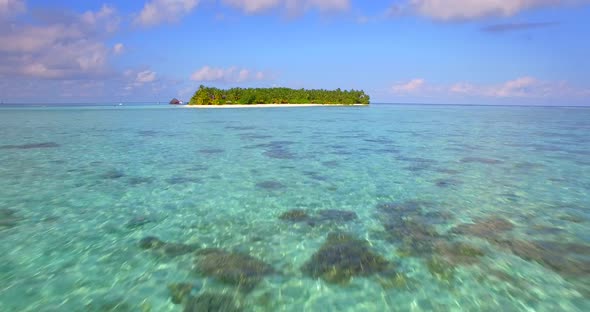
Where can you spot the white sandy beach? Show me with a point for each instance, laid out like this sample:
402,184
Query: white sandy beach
264,105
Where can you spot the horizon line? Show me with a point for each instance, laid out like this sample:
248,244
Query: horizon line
375,103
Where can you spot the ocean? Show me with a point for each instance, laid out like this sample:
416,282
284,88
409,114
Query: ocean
380,208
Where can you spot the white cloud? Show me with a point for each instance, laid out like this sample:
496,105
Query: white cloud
408,87
106,18
257,6
522,87
447,10
118,48
11,7
156,12
145,76
519,87
260,76
71,48
462,88
253,6
243,75
29,39
211,74
75,60
160,11
138,78
231,74
329,5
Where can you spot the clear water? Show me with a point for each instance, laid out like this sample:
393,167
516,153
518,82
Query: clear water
75,207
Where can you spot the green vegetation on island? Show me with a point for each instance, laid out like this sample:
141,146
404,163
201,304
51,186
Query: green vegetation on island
215,96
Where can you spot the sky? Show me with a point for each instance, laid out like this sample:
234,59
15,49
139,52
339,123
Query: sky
500,52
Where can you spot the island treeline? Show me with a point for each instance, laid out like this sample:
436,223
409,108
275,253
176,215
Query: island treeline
215,96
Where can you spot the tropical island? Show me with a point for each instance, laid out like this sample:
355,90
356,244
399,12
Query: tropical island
251,96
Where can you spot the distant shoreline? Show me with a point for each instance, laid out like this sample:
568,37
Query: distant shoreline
265,105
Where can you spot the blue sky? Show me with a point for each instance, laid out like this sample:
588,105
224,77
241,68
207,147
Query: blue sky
406,51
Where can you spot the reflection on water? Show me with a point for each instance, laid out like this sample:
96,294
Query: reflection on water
417,208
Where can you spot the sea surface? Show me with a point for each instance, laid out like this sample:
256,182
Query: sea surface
380,208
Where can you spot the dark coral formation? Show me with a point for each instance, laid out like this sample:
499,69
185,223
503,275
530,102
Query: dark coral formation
315,176
380,141
458,253
573,218
295,215
485,228
567,259
528,166
416,238
417,164
319,217
410,226
112,174
237,269
396,209
481,160
406,223
140,180
441,269
31,146
342,257
209,302
279,153
278,150
174,180
138,221
331,163
394,280
335,215
166,249
447,183
179,292
387,150
8,218
270,185
176,249
150,242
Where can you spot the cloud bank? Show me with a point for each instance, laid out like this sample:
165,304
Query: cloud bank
118,48
448,10
227,75
156,12
71,48
408,87
11,7
146,76
521,87
258,6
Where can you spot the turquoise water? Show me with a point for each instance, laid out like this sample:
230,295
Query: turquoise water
471,208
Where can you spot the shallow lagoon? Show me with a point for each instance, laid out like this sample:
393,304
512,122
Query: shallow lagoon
459,208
